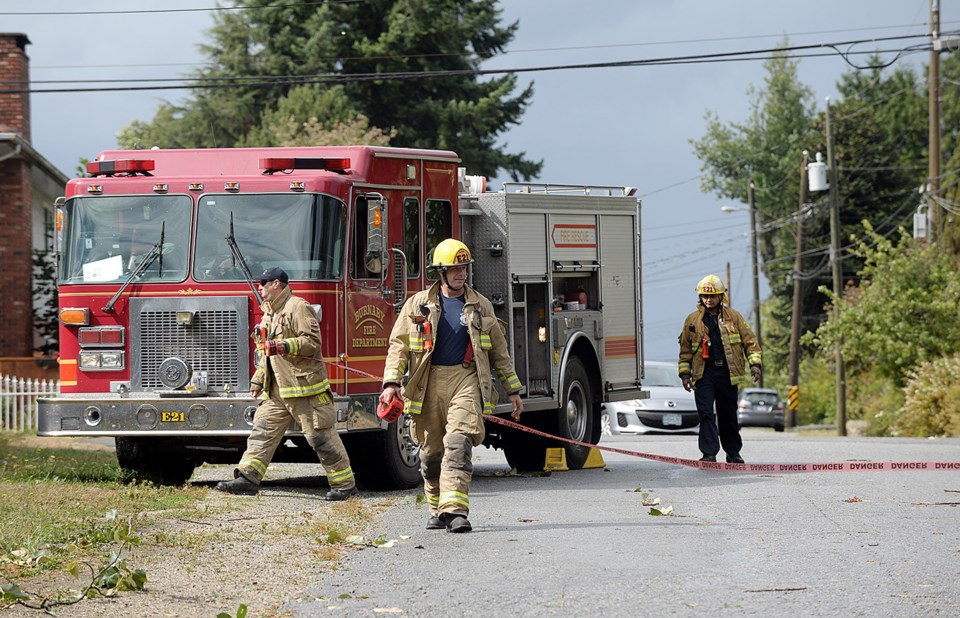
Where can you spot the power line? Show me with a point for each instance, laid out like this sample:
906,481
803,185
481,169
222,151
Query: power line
195,10
507,52
288,80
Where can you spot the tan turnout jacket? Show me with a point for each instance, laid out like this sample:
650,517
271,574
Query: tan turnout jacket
301,372
739,344
408,353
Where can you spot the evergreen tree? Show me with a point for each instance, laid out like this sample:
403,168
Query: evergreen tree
267,56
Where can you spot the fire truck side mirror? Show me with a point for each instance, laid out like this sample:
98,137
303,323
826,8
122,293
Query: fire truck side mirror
376,232
58,224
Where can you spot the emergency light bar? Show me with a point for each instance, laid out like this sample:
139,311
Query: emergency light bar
269,165
121,166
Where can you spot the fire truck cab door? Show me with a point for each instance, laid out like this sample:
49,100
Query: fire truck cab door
387,262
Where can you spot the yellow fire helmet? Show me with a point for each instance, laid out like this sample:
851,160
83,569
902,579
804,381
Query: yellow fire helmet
712,284
451,252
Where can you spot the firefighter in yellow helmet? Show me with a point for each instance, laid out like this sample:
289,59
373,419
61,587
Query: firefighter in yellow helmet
447,342
716,345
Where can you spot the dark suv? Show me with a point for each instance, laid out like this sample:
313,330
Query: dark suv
760,407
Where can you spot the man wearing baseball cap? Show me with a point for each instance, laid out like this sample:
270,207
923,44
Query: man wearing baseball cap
292,379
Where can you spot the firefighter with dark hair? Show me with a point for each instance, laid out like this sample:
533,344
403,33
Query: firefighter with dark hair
442,348
293,379
714,343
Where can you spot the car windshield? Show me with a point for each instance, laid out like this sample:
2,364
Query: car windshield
661,375
300,233
106,237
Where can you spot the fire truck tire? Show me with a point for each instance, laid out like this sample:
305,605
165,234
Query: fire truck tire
575,417
383,460
160,461
525,452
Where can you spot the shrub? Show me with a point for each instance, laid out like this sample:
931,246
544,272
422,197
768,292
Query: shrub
932,400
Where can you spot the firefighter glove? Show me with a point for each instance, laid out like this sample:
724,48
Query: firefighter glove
276,347
755,372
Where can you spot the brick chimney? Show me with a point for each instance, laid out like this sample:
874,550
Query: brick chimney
14,75
16,199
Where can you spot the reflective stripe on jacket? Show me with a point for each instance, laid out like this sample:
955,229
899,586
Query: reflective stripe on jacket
301,372
739,344
409,355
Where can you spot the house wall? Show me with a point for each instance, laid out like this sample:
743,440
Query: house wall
16,204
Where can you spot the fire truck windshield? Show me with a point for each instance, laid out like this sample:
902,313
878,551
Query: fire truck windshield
106,237
301,233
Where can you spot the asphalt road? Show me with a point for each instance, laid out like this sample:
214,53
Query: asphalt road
582,543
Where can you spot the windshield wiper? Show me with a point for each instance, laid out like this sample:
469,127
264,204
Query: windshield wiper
156,252
238,257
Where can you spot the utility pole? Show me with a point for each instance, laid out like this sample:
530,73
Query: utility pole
756,275
840,381
729,289
793,397
936,217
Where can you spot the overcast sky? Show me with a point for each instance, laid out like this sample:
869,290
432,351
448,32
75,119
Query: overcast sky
609,126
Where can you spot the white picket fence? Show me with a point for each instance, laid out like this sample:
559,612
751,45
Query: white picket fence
18,401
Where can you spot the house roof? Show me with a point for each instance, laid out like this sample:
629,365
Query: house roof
12,145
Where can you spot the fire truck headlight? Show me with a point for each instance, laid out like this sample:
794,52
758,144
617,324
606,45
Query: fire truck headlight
107,360
112,359
185,318
89,360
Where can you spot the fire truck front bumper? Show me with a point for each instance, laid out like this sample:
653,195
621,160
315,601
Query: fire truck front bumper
152,416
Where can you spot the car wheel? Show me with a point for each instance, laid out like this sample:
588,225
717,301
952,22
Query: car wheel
605,429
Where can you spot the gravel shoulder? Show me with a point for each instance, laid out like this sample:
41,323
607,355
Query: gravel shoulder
259,551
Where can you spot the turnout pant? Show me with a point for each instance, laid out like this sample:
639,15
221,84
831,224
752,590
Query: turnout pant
316,416
448,428
720,427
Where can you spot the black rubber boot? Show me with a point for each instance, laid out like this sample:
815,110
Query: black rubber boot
336,495
435,523
239,486
457,523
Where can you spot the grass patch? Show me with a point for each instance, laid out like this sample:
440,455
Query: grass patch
55,500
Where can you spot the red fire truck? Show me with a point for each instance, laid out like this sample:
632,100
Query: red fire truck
158,254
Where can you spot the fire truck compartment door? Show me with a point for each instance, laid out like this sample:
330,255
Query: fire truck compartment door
528,247
621,306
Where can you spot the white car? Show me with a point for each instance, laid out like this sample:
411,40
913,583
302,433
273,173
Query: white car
670,408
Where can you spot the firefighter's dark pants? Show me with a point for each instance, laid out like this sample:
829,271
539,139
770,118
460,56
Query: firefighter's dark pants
720,427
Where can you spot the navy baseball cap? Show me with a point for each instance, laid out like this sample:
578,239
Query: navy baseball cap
274,273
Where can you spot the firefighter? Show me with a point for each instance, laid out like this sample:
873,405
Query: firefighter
445,341
714,343
292,378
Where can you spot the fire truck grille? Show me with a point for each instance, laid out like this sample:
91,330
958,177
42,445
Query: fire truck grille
213,340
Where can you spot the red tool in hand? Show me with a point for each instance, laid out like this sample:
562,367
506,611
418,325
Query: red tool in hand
390,411
276,347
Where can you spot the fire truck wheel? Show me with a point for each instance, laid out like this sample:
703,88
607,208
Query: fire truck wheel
160,461
575,417
525,452
398,468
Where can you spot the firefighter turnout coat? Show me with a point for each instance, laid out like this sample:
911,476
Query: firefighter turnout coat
411,347
739,344
301,372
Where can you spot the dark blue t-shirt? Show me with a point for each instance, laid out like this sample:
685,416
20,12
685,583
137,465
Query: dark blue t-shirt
452,333
716,341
